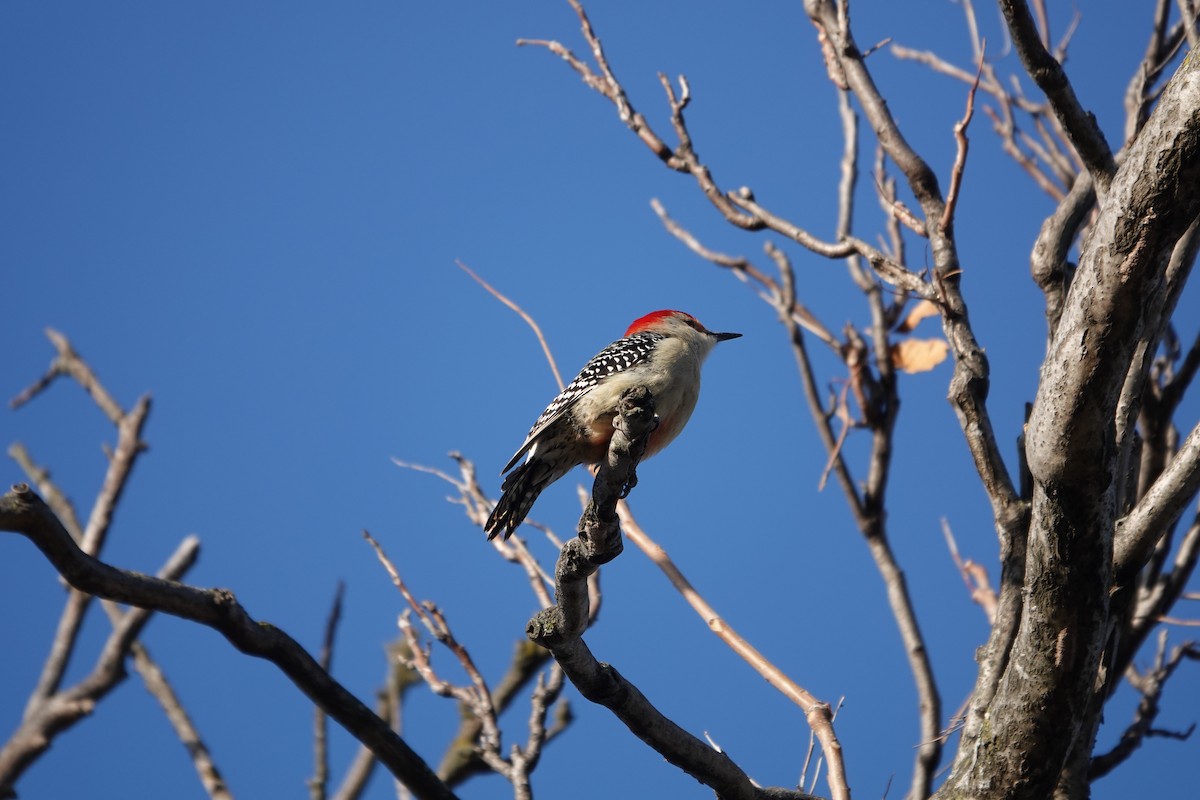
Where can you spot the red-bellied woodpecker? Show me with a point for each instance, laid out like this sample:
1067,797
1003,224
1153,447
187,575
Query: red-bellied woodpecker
663,352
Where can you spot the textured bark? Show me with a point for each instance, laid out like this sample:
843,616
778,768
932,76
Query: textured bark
1047,696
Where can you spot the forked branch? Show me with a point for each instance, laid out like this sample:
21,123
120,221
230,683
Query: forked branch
22,511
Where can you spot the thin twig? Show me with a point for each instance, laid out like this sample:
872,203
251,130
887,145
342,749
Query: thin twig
816,712
476,697
471,497
1150,685
157,684
69,363
842,413
744,270
974,576
318,784
960,159
1079,125
523,314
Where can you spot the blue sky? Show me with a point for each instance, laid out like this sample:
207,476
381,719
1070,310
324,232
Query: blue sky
252,212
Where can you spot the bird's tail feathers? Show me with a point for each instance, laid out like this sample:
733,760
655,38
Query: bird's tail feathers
518,493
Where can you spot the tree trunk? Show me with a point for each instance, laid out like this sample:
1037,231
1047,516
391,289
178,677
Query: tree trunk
1047,696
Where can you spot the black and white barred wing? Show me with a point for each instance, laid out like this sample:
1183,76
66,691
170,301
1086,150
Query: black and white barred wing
617,357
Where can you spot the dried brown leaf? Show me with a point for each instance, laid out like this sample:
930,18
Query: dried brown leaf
919,355
920,311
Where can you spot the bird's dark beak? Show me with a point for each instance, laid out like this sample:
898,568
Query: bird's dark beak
723,337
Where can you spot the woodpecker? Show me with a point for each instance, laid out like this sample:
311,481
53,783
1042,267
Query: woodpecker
662,351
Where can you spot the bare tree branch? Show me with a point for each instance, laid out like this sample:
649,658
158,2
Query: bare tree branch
1048,262
1158,509
69,363
530,321
547,690
57,711
398,681
887,269
158,686
1188,12
477,697
1080,125
960,160
974,576
1156,598
1160,50
152,675
91,538
318,784
560,627
817,712
746,271
128,447
478,506
461,759
683,158
1150,684
1072,451
22,511
969,386
59,503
